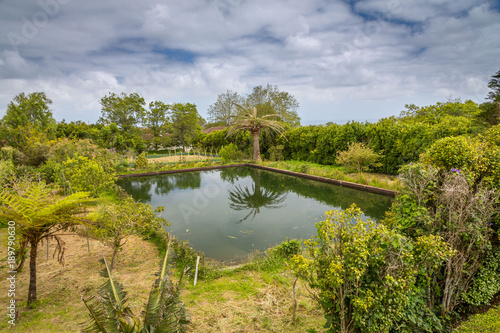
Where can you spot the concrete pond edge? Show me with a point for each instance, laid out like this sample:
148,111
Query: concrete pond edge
367,188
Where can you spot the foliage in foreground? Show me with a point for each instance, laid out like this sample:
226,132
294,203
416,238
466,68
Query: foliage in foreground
163,312
484,322
363,272
39,215
449,205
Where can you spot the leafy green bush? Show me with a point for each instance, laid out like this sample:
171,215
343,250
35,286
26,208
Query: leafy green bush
486,283
358,157
6,171
6,153
141,162
452,153
484,322
476,156
288,248
363,271
86,174
276,153
447,204
230,153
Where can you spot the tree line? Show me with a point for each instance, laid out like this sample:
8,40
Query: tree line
125,122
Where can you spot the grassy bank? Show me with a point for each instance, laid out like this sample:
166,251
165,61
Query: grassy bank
389,182
372,179
253,298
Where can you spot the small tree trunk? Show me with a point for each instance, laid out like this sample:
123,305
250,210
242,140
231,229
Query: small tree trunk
113,259
256,147
294,314
32,285
117,244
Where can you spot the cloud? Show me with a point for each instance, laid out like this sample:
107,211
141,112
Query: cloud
339,52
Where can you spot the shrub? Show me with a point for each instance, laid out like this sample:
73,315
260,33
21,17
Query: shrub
486,283
288,248
276,153
452,152
6,153
362,270
230,153
450,205
141,162
116,222
358,157
86,174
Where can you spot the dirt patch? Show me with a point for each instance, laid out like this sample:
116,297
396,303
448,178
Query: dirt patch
179,158
59,287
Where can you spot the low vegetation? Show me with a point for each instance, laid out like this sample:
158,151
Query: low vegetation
333,172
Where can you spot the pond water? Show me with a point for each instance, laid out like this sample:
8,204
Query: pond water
228,213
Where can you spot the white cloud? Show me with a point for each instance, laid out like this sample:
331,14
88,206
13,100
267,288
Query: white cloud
190,51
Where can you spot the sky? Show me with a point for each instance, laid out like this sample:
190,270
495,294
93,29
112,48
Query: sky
341,59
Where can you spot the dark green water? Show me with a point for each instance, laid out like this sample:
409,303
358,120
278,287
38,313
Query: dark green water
228,213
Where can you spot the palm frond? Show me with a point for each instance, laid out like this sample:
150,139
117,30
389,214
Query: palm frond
97,316
152,307
174,317
116,292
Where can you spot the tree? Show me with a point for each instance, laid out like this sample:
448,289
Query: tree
435,113
250,121
494,84
224,109
163,312
270,100
28,114
87,174
32,109
185,123
116,222
40,214
490,113
156,120
124,110
358,156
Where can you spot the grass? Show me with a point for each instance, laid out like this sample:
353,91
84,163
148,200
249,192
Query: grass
249,299
254,297
389,182
60,308
164,166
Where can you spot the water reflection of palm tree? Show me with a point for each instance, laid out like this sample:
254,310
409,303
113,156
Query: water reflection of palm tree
255,199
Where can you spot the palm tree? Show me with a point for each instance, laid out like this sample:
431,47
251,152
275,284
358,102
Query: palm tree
250,121
40,214
163,312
